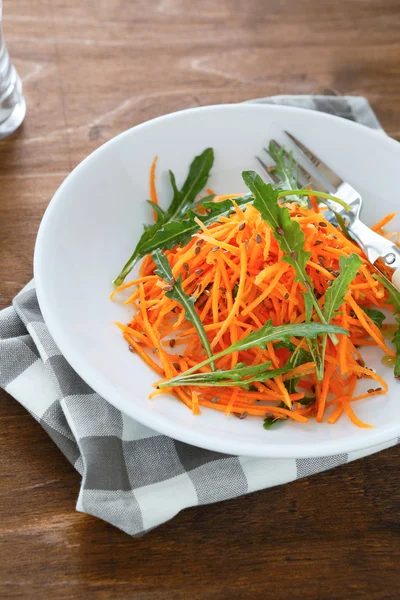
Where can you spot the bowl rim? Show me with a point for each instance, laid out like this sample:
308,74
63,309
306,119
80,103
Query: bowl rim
158,422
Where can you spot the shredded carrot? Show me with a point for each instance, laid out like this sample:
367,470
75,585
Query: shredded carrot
233,270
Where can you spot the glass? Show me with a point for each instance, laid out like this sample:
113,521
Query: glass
12,103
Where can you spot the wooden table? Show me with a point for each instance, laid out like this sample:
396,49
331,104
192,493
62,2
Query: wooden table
91,69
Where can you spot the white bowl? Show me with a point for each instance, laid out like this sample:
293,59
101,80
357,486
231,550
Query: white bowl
93,222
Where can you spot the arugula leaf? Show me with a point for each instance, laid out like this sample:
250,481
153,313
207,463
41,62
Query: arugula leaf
299,358
394,298
180,232
334,295
291,239
176,292
198,175
376,315
286,168
261,337
394,294
396,342
196,179
229,378
269,421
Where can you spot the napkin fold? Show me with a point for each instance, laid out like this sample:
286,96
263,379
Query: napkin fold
132,476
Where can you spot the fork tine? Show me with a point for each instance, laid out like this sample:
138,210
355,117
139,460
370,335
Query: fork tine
328,176
271,176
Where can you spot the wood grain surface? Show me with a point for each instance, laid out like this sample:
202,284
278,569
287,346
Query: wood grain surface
92,68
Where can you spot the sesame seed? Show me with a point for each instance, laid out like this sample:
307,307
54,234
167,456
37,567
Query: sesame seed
155,350
167,288
243,415
172,281
198,271
293,255
197,250
321,258
322,224
286,296
207,292
242,226
258,238
378,389
131,349
199,242
215,249
329,282
246,244
280,231
215,399
334,236
172,343
370,391
329,269
186,267
176,365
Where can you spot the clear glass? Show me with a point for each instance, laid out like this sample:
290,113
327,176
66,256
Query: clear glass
12,103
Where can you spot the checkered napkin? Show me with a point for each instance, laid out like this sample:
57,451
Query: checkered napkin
134,477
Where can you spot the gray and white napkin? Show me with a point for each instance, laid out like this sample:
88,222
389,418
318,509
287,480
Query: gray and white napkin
133,477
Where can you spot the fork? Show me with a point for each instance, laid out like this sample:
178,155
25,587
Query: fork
324,179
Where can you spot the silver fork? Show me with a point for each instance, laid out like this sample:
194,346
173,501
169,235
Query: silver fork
325,180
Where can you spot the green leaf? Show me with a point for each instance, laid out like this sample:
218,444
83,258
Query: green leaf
334,295
159,211
286,168
260,338
176,292
196,179
287,231
394,294
301,357
396,342
229,378
291,239
198,175
375,315
269,421
180,232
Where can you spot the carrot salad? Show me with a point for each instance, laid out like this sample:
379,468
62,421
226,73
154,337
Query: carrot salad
240,279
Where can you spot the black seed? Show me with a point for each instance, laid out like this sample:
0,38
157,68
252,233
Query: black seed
378,389
176,365
198,271
131,349
329,269
286,296
215,399
199,242
318,243
197,250
322,224
370,391
186,267
242,226
321,258
258,238
280,231
172,343
243,415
